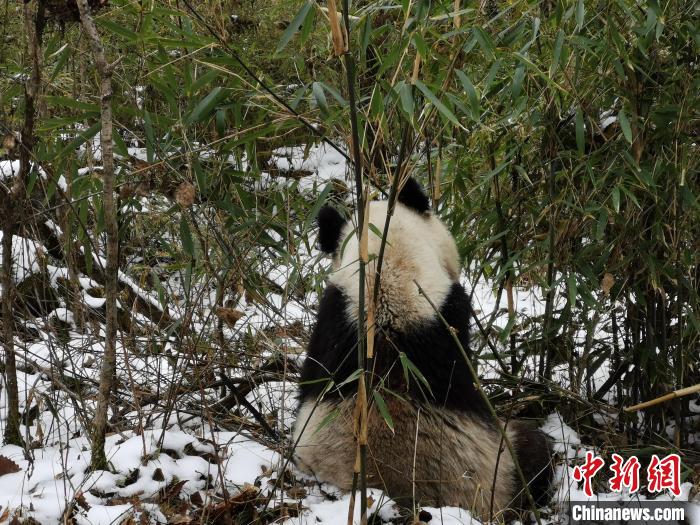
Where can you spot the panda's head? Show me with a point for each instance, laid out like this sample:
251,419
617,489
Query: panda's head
419,248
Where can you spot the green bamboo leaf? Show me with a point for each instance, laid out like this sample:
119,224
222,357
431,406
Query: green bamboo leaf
410,368
616,199
558,44
203,80
150,137
444,110
117,29
294,26
472,94
625,125
119,145
313,213
205,106
518,81
571,286
159,289
307,26
375,230
383,409
421,45
72,103
334,93
376,104
406,96
221,122
485,42
81,139
326,420
319,97
505,333
186,237
63,55
580,132
365,34
580,14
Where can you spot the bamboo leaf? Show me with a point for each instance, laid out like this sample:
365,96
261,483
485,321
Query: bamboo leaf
186,237
580,14
518,81
81,139
406,96
319,97
615,194
444,110
580,132
472,94
625,125
205,106
571,288
294,26
383,409
558,44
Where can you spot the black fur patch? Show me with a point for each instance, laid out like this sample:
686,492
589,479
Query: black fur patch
330,223
332,355
533,449
412,196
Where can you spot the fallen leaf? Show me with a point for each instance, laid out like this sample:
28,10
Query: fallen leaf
7,466
607,283
229,315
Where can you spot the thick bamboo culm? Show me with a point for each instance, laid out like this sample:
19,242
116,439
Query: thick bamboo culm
666,397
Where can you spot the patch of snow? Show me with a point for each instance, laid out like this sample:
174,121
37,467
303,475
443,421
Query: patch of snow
25,253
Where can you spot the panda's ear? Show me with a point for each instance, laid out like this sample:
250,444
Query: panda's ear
330,224
412,196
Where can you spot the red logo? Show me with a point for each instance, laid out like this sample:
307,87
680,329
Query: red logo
586,471
665,474
625,474
662,474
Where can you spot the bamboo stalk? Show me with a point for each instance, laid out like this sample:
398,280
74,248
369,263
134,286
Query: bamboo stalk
109,360
10,204
361,220
666,397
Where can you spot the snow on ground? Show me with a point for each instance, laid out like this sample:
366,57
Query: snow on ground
25,253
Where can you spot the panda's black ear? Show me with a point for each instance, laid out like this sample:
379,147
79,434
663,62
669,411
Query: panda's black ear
412,196
330,224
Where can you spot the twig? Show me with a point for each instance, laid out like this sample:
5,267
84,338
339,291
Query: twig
256,413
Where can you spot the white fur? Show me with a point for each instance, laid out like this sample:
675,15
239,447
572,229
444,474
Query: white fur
453,462
418,247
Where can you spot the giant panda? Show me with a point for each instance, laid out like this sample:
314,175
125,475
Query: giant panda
444,446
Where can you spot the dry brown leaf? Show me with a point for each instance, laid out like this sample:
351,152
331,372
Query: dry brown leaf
7,466
229,315
80,500
607,283
185,195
